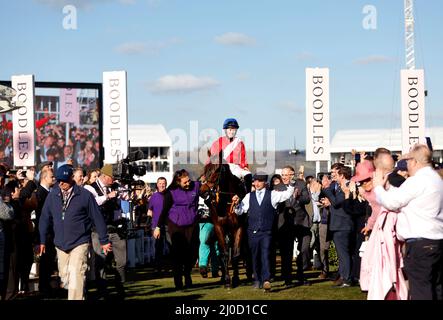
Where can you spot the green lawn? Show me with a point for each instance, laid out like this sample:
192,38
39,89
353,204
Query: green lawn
143,284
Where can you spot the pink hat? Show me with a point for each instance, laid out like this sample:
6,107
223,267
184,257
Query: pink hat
363,171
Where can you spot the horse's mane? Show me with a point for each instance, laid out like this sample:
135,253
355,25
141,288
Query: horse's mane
213,168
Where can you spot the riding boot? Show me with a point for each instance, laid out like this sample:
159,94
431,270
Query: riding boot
188,281
178,282
120,290
248,182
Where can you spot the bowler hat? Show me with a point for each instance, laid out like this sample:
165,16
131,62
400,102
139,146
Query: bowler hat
45,163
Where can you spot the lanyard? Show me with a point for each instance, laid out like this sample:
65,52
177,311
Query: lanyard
65,202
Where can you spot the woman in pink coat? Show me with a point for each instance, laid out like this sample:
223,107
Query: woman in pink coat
381,272
382,262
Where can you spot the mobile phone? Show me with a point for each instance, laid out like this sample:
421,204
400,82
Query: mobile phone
321,174
12,171
357,158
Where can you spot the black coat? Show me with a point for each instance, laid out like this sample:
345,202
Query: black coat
359,211
41,193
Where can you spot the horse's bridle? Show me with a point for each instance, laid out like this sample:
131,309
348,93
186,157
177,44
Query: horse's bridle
214,189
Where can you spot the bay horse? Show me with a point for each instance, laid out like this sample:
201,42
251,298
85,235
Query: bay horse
220,186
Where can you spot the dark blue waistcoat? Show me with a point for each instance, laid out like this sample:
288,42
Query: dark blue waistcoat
261,217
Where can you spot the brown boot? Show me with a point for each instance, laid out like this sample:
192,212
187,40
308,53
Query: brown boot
338,282
267,286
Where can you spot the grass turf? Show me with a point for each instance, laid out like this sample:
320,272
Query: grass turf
144,284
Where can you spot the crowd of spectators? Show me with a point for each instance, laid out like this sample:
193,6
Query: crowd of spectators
81,146
384,217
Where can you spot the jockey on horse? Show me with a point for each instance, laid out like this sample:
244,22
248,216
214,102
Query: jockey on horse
228,152
233,152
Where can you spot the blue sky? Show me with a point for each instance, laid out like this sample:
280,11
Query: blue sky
208,60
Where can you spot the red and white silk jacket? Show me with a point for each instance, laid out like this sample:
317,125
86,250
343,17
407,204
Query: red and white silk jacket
233,152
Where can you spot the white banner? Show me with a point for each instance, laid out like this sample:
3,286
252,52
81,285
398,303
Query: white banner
23,121
317,114
115,116
412,108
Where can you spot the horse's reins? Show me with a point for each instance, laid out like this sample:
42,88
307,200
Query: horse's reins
218,191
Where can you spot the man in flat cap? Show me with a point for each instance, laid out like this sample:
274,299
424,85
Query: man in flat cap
109,204
261,206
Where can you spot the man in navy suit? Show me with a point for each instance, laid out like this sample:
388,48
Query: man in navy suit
340,223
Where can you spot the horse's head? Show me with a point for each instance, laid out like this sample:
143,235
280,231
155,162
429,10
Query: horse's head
211,179
211,174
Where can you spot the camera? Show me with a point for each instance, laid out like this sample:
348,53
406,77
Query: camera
12,171
125,170
115,187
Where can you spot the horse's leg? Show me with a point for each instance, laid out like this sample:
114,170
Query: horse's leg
236,255
218,228
228,258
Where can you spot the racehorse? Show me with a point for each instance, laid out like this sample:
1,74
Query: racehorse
220,186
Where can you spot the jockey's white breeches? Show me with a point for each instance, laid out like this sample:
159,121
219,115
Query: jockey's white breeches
238,171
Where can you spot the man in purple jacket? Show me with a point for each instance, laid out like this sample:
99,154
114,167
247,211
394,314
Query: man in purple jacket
180,213
72,210
155,208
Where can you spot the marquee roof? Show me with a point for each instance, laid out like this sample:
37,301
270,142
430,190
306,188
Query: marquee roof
371,139
148,135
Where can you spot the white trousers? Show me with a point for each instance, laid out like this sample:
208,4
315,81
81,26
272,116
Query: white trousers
238,171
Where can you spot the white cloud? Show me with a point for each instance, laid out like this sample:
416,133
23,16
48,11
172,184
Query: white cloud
131,48
234,39
146,47
289,106
182,83
373,60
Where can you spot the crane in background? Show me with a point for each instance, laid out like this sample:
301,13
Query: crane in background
409,34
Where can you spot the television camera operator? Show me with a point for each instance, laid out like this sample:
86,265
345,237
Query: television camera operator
107,195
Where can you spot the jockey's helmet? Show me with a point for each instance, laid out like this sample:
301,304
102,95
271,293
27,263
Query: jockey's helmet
230,123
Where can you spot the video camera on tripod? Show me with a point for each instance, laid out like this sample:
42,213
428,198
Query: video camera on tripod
125,169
